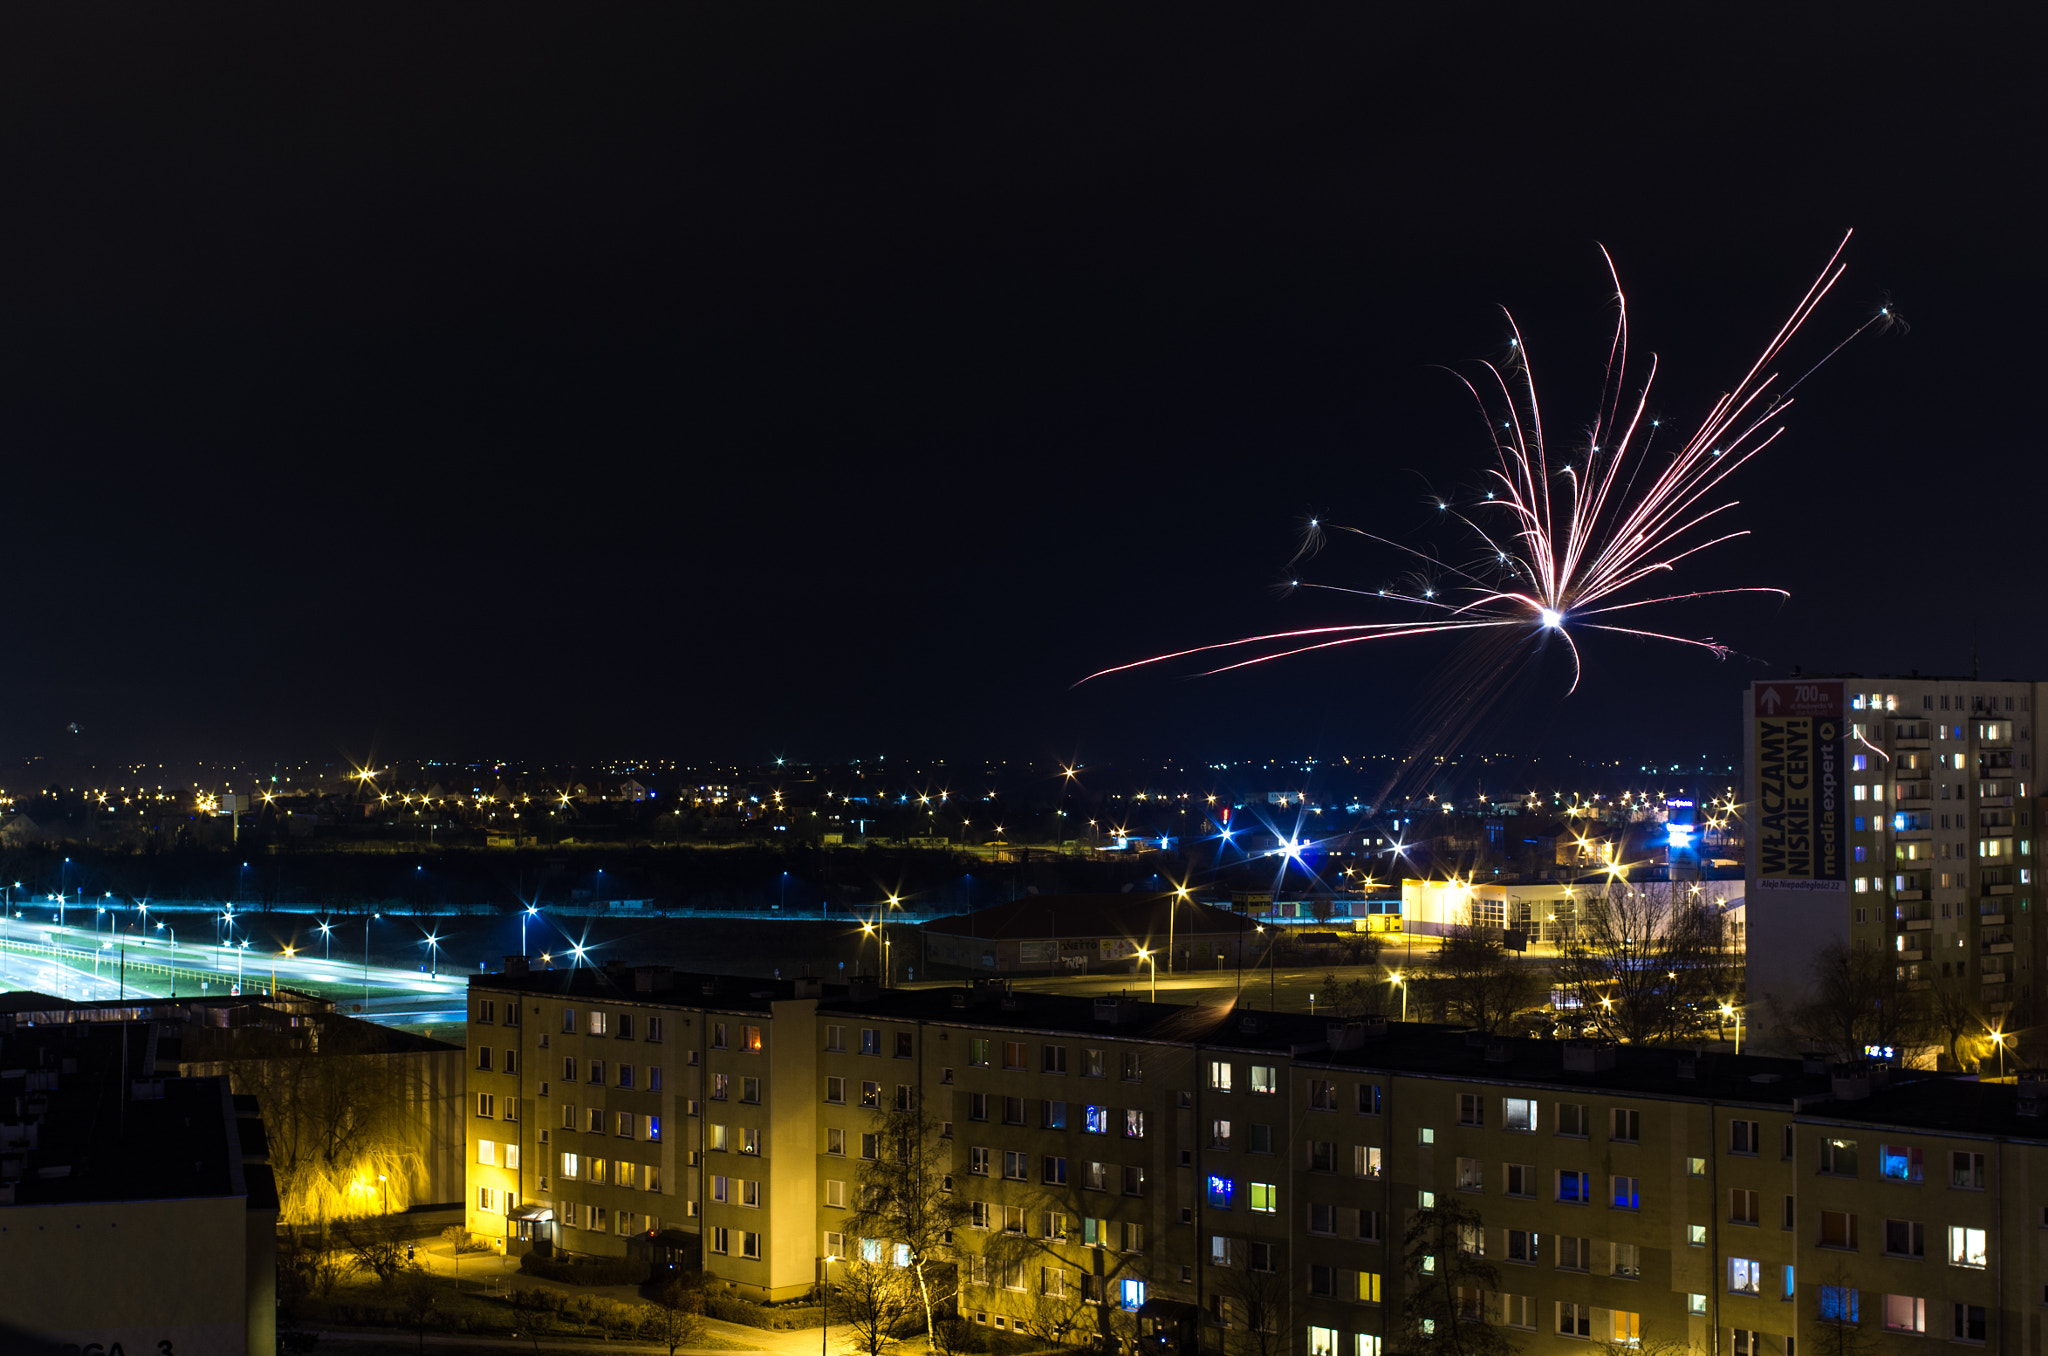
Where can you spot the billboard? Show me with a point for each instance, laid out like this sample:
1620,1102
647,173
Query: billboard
1801,827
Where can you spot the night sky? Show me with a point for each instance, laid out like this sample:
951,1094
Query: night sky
456,381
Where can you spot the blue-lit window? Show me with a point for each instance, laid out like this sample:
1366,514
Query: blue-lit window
1898,823
1861,852
1862,824
1900,1162
1133,1295
1572,1188
1859,762
1627,1193
1097,1122
1220,1191
1839,1304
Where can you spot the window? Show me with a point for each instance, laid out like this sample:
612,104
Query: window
1265,1198
1322,1095
1134,1180
871,1149
483,1058
597,1071
1519,1179
871,1041
654,1029
1789,1218
977,1052
1695,1305
1904,1238
593,1119
625,1075
1134,1124
1750,1342
1055,1170
1322,1219
1838,1157
1016,1166
654,1129
750,1090
871,1095
1014,1054
1624,1193
835,1039
835,1195
1744,1137
486,1105
1840,1304
1966,1248
1573,1188
1368,1099
1696,1235
568,1068
1745,1275
1321,1341
1742,1206
622,1124
1219,1075
1131,1295
906,1045
1053,1058
1837,1229
1134,1066
835,1142
1425,1135
1627,1126
835,1090
1966,1171
720,1241
1518,1113
1624,1329
1969,1322
1905,1313
1571,1119
487,1152
1053,1115
721,1087
977,1159
1095,1177
1265,1080
1366,1160
1471,1175
1220,1191
1471,1109
1013,1107
1899,1162
1574,1320
1525,1245
568,1021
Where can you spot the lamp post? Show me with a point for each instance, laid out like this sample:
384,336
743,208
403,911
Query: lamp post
326,941
1151,958
525,914
288,953
386,1186
366,960
1729,1010
825,1312
1402,985
433,955
1998,1039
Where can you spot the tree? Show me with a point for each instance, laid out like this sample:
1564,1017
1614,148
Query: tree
1055,1211
1860,998
418,1294
1253,1311
372,1246
1646,960
1443,1309
906,1198
678,1315
872,1299
1476,981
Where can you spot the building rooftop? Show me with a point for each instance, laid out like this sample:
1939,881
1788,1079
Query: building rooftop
87,1114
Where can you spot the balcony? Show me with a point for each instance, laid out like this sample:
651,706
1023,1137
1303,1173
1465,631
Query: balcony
1908,743
2003,948
1914,955
1991,920
1912,835
1919,924
1909,895
1994,979
1995,831
1998,889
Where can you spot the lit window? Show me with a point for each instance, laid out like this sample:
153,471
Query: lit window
1265,1197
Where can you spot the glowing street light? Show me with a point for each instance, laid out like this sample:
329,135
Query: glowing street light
1152,959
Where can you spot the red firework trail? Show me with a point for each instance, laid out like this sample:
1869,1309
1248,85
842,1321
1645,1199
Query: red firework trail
1557,549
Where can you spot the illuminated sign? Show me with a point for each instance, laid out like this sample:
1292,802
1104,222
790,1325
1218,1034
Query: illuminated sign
1798,759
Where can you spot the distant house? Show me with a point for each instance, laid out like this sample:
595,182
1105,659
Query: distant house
632,792
1048,934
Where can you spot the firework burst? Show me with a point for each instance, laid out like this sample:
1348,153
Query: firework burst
1563,544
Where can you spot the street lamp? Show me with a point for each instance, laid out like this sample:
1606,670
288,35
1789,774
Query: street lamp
1998,1039
825,1313
326,941
366,960
433,955
531,911
1151,959
1402,985
1728,1010
387,1192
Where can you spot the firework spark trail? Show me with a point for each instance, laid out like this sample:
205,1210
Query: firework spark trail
1574,543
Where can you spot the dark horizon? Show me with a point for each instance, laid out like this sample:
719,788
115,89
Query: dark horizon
737,384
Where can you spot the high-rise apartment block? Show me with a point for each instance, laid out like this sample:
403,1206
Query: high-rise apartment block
1895,815
1182,1172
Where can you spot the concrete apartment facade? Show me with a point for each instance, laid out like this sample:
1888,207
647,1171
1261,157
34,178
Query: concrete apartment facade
1173,1171
1935,801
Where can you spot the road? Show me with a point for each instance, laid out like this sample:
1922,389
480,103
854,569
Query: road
84,963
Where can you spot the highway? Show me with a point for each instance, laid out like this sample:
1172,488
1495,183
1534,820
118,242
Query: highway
82,963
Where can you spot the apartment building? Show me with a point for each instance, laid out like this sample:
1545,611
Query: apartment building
1895,815
1186,1173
